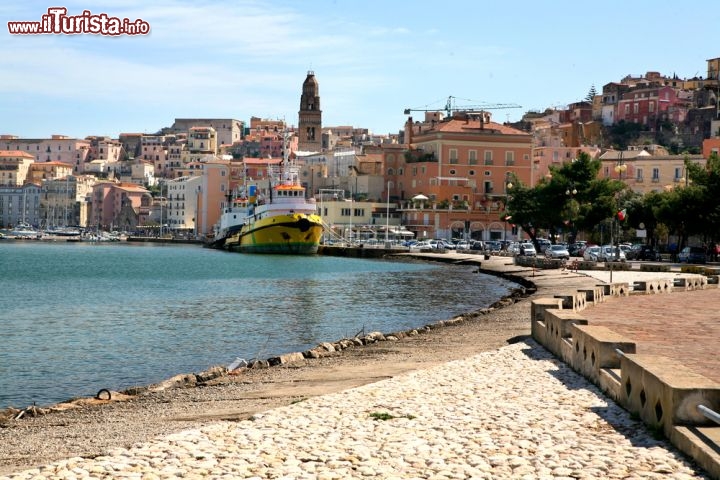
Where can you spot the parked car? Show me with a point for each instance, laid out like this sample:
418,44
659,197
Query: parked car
514,248
591,253
577,248
611,253
477,245
557,251
543,244
462,245
493,245
692,255
527,250
643,252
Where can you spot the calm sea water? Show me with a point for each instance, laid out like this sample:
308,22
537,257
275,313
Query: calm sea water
79,317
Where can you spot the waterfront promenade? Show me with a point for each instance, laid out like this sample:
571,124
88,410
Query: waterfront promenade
512,412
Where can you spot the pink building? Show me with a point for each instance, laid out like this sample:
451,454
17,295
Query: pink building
648,106
119,206
58,148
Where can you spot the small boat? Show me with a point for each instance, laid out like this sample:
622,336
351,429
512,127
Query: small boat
286,222
23,230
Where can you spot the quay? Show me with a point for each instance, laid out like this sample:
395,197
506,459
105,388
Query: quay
606,384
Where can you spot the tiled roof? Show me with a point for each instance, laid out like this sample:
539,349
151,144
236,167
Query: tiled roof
473,126
15,153
261,161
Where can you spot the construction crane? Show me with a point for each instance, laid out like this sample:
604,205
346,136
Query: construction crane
450,107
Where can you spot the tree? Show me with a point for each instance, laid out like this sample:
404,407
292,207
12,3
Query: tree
571,199
591,94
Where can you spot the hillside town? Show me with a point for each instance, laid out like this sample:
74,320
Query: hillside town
447,173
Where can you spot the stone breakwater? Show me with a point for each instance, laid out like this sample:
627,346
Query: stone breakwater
516,412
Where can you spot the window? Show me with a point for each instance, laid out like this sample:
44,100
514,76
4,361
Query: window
627,109
639,175
452,171
391,171
488,187
509,158
678,173
656,174
651,107
488,157
636,107
472,157
453,156
471,173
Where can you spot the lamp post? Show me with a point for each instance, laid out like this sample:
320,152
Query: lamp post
570,192
508,187
620,168
387,218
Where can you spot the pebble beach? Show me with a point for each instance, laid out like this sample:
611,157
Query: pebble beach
515,413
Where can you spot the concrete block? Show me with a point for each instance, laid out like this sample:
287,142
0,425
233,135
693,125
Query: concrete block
594,348
665,393
537,316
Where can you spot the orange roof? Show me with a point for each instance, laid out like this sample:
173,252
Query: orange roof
472,126
15,153
52,164
262,161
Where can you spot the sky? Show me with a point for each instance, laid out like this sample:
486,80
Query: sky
372,59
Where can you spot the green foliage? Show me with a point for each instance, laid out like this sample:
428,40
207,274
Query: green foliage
572,199
591,94
386,416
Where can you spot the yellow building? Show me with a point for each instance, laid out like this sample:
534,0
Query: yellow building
647,169
41,171
14,167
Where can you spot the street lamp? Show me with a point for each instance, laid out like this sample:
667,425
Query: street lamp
508,186
620,168
570,192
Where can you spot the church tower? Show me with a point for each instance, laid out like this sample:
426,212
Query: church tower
310,116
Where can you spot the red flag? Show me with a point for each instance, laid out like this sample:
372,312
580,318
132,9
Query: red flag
622,214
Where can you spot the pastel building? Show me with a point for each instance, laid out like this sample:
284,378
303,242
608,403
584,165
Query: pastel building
183,195
58,148
119,206
228,130
39,172
15,166
648,168
462,167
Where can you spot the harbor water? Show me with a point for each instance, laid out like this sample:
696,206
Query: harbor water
80,317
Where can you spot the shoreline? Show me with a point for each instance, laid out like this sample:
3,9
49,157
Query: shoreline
178,402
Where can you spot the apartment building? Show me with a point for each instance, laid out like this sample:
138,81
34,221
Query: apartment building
183,201
648,168
39,172
20,204
119,206
58,148
15,167
464,166
228,130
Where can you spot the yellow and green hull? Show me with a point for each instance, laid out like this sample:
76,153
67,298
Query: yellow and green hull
295,234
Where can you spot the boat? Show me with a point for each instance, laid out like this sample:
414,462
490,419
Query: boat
285,222
23,230
64,231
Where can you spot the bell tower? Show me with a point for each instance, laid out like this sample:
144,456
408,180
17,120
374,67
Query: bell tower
310,116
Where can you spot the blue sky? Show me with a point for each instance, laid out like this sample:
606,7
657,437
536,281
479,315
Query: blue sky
372,59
